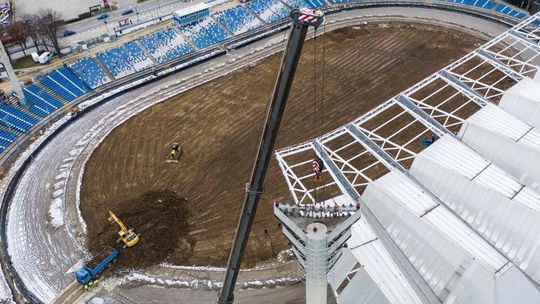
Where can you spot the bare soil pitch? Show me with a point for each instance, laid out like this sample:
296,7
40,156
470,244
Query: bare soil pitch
218,126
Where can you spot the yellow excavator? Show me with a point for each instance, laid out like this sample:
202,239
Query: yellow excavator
128,236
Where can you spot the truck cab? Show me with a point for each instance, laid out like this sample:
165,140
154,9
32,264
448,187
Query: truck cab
83,276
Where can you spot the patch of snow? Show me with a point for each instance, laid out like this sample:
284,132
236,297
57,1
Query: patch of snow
79,264
56,213
194,284
97,301
5,292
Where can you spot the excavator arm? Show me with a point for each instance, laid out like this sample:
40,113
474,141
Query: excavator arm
112,217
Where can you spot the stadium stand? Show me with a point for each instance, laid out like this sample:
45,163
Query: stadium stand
315,3
505,9
86,74
166,45
204,32
238,20
42,102
16,119
88,70
270,11
484,4
60,85
70,81
488,4
295,3
54,86
6,138
125,59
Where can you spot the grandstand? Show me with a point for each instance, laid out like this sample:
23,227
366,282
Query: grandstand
204,33
238,20
166,45
269,11
89,71
452,220
77,78
125,60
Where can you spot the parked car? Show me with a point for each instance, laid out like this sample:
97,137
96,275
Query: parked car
69,33
103,16
127,12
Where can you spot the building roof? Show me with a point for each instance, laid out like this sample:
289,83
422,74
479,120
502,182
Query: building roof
191,9
463,207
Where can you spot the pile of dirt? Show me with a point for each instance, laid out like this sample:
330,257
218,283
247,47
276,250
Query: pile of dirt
160,218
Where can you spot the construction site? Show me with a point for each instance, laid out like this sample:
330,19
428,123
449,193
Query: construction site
278,151
218,126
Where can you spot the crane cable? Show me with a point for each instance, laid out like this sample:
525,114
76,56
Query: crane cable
316,120
318,110
323,93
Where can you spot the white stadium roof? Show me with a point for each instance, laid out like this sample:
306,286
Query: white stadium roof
457,221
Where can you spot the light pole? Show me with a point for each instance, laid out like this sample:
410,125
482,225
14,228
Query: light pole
106,26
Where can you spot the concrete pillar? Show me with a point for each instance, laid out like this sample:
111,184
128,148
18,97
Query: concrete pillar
316,261
11,75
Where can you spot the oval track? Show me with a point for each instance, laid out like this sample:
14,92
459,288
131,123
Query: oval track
44,256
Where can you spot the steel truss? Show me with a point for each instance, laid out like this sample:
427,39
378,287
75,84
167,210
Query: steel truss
388,137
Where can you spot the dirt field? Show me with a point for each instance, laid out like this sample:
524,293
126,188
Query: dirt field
218,126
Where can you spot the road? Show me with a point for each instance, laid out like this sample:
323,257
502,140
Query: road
92,27
44,254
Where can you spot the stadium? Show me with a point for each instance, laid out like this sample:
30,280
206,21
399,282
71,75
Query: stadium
403,171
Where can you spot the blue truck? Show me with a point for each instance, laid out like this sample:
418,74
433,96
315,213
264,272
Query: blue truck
90,271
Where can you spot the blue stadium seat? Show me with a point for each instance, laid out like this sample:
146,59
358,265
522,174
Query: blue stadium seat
487,4
315,3
69,80
52,84
268,10
16,119
42,102
6,139
204,32
8,136
296,3
125,59
166,45
238,20
505,9
88,70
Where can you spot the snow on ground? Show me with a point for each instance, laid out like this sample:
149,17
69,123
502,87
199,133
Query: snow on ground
56,213
137,278
5,291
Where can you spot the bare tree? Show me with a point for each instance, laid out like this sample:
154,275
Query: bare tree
32,26
19,33
49,22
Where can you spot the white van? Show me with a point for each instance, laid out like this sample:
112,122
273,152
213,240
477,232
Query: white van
35,56
45,57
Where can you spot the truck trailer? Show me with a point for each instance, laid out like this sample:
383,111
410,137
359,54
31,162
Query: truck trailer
91,270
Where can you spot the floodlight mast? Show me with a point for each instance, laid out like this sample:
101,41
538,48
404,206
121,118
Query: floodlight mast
302,19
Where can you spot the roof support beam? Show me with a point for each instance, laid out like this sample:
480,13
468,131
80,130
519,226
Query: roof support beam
410,107
488,57
460,86
521,38
420,287
374,148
